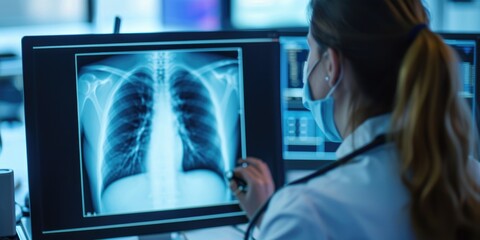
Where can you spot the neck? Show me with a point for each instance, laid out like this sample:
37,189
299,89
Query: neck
351,107
342,113
344,97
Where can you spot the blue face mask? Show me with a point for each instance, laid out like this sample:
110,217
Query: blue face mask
322,109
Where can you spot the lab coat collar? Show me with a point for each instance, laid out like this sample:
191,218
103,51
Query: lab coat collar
364,134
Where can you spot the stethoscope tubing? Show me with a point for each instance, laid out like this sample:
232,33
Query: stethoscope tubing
378,141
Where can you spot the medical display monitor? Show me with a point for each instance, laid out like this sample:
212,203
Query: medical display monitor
192,15
467,48
303,144
268,14
132,134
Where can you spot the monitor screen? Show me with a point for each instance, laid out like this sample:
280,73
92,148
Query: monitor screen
192,15
131,134
304,146
467,48
268,13
303,143
46,12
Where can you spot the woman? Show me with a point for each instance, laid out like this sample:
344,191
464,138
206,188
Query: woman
374,69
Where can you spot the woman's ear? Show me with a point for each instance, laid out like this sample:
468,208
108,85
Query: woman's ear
333,66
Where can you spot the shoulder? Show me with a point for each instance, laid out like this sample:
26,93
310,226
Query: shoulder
293,214
304,212
369,190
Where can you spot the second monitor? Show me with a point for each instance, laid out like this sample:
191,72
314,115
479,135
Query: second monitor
304,146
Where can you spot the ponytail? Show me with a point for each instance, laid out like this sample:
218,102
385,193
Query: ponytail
432,128
412,73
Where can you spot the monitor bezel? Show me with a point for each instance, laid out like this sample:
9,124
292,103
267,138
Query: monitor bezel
34,153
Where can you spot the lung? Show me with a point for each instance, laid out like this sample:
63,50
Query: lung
132,114
192,104
129,128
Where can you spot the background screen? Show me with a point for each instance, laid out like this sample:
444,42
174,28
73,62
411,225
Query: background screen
269,14
304,146
302,139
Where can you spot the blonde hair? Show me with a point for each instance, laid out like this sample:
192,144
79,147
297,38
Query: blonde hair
433,129
415,77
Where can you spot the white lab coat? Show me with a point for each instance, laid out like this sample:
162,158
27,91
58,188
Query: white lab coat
365,199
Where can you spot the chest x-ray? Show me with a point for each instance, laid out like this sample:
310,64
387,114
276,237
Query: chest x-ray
158,129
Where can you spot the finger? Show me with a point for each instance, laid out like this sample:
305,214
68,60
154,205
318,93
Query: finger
251,162
242,163
256,179
255,162
258,164
233,185
238,192
249,173
235,188
241,166
264,168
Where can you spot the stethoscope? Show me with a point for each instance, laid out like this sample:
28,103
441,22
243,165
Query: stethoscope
378,141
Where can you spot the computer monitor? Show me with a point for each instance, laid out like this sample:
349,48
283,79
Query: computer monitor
304,146
130,134
192,15
268,14
46,12
467,48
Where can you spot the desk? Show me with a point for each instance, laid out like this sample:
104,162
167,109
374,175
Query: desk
14,157
215,233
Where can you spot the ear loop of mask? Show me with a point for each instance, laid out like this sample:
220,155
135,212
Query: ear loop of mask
340,78
327,78
305,66
308,73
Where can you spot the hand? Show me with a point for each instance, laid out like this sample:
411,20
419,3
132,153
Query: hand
259,181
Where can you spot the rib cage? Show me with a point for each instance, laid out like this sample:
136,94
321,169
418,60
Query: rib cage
197,123
129,118
129,128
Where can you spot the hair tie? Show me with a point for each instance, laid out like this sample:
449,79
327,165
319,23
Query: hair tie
415,30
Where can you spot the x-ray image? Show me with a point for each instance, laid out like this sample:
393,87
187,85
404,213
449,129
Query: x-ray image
158,129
